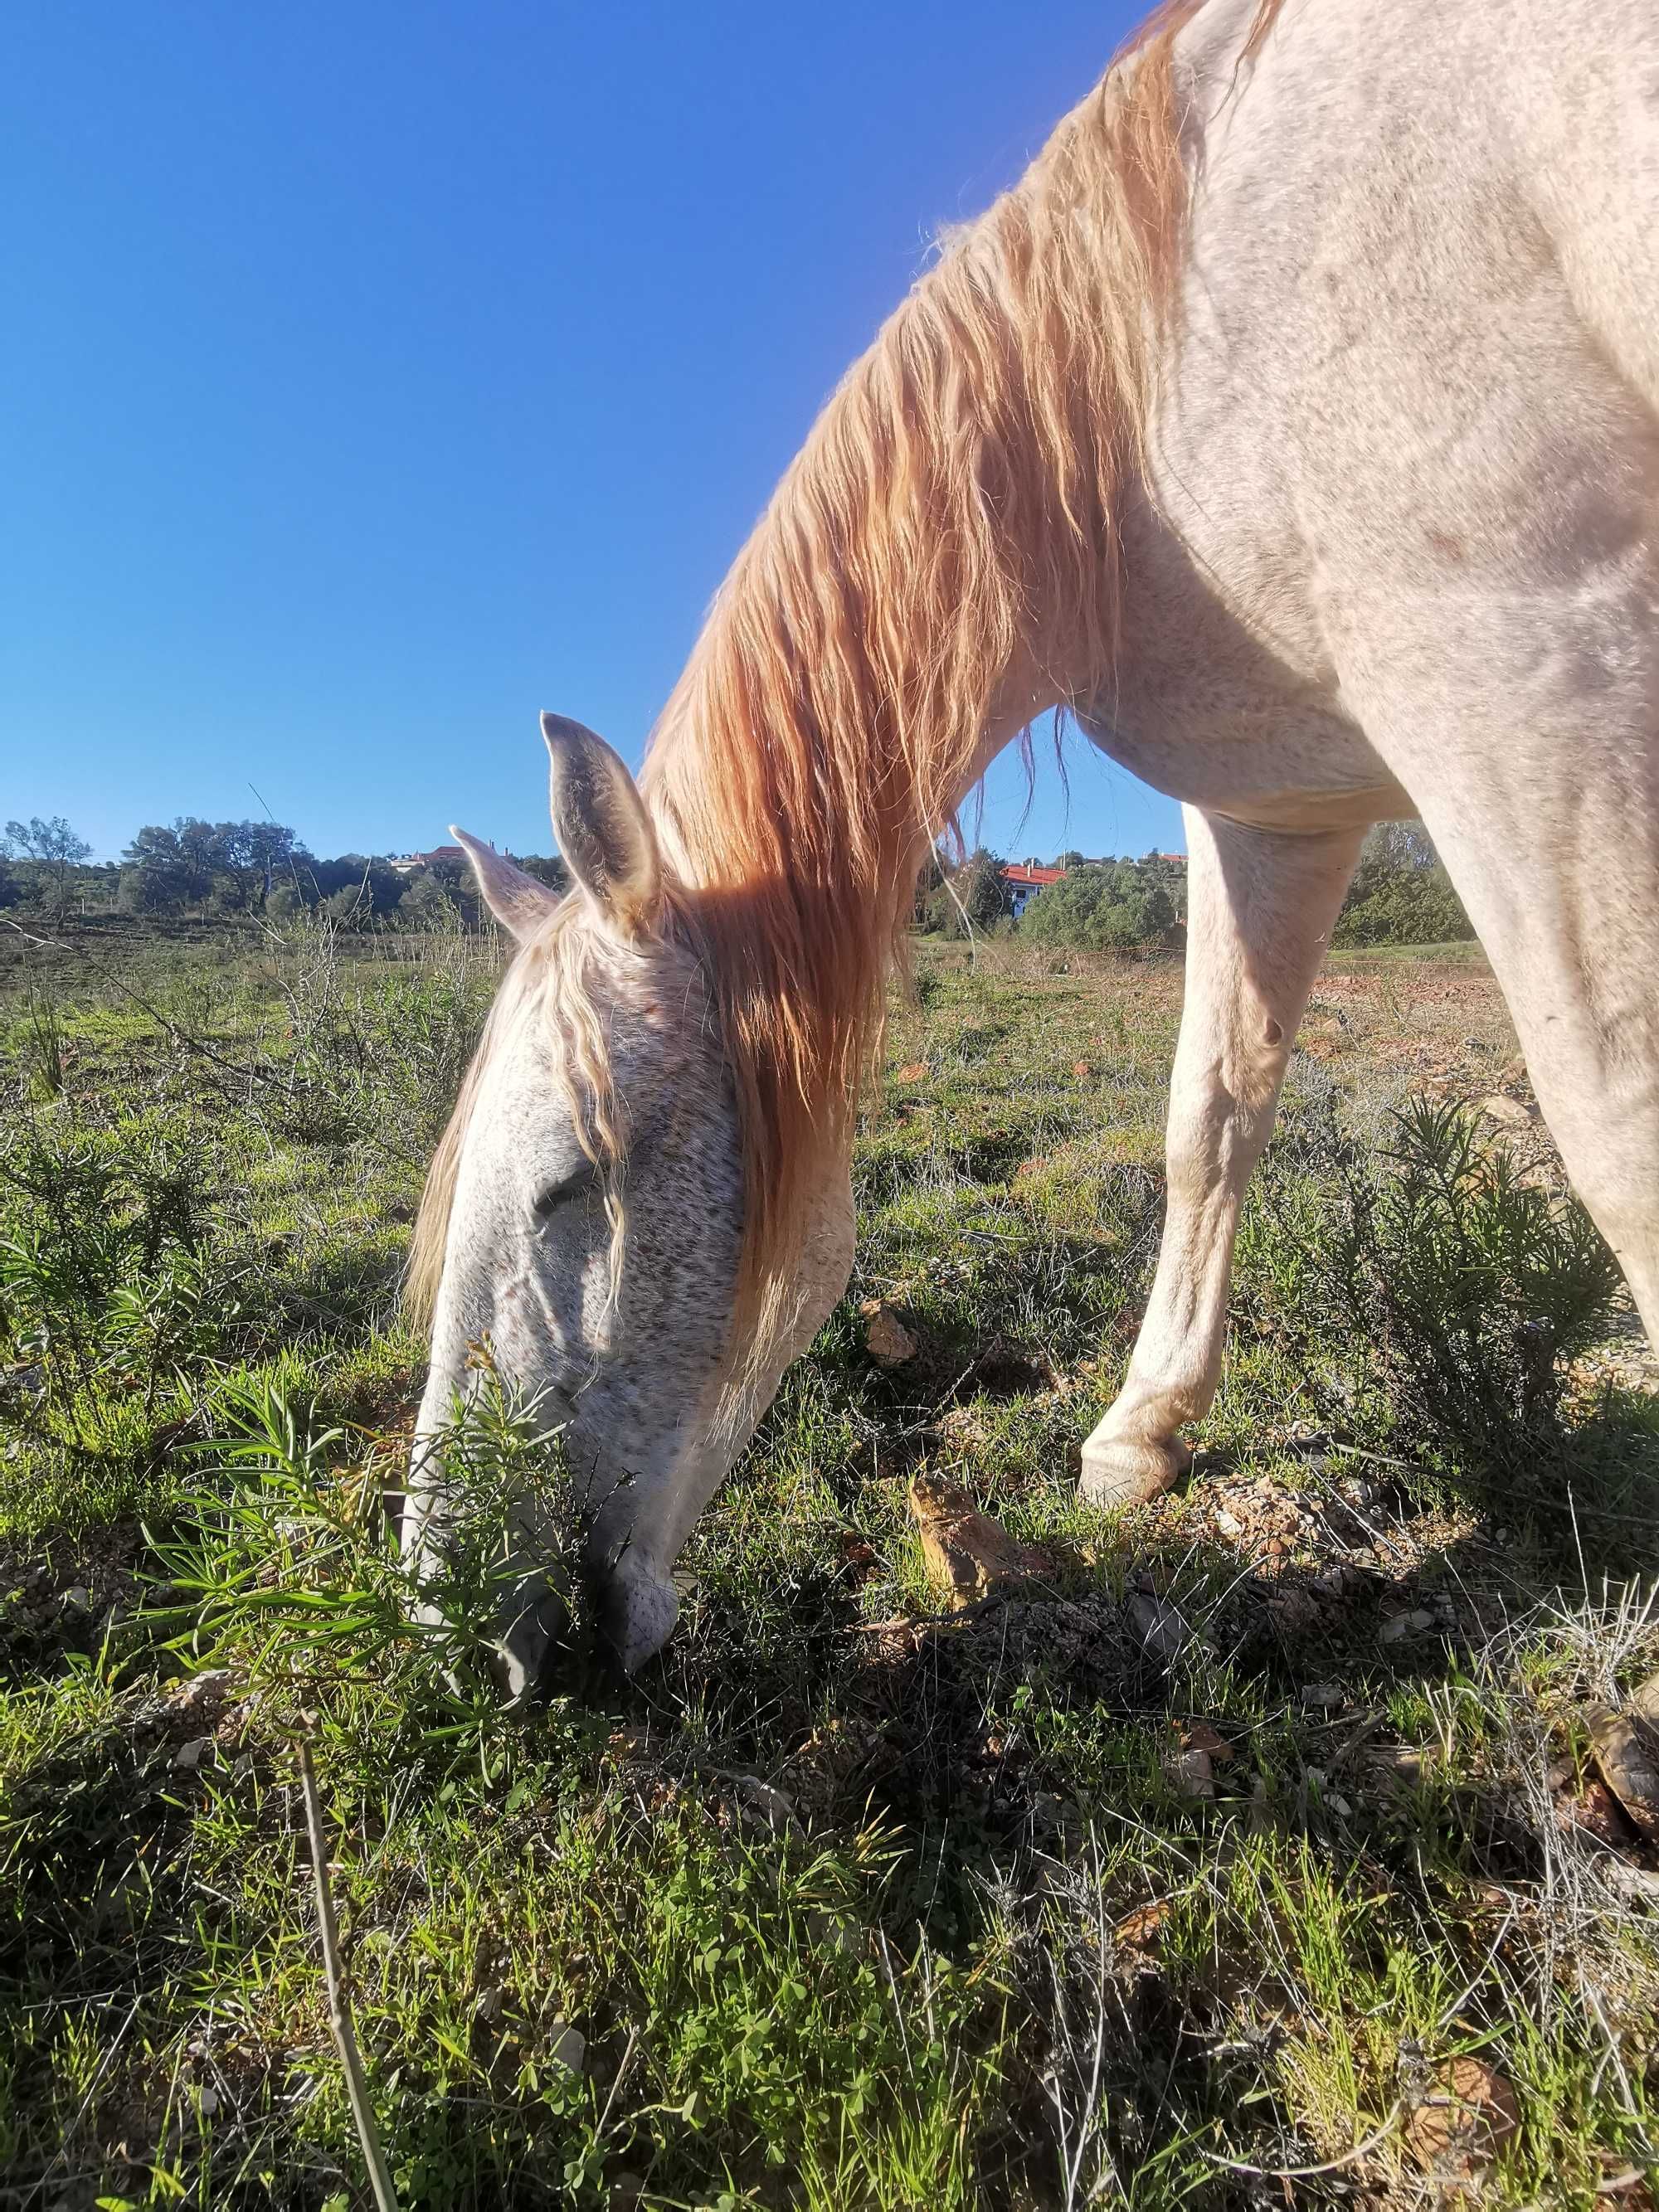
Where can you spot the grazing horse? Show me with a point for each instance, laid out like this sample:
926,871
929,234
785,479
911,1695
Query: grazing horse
1295,421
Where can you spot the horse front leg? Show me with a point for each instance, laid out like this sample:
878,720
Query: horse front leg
1261,906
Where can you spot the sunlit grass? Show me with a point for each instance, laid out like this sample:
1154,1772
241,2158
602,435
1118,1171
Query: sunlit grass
842,1904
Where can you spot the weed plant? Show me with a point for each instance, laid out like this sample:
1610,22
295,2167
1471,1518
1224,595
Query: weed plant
1459,1289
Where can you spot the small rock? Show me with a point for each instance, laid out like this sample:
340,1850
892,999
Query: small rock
1157,1628
1598,1811
1228,1524
1341,1807
1190,1772
568,2047
1468,2117
969,1554
212,1686
1404,1625
1200,1736
763,1806
189,1756
1627,1753
1322,1697
1497,1108
1138,1931
1393,1767
886,1338
78,1600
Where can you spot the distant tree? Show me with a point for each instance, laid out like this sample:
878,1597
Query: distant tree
177,864
929,882
1400,893
974,890
1390,849
250,855
378,886
54,851
553,872
1120,907
285,902
981,889
427,903
1069,859
144,890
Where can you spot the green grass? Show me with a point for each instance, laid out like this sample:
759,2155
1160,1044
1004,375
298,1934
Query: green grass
842,1904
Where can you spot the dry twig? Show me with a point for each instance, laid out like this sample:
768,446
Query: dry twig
339,2008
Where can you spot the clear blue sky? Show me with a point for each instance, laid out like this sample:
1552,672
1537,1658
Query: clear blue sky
376,375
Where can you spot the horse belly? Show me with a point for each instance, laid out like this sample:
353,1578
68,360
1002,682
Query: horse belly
1254,757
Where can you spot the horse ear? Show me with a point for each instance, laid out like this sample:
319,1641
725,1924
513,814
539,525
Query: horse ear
603,829
517,902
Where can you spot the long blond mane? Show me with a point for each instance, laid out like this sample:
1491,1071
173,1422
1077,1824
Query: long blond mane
945,548
947,542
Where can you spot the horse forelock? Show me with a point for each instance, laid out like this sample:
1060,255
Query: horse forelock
552,978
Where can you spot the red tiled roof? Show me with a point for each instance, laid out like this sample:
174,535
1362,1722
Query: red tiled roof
1016,873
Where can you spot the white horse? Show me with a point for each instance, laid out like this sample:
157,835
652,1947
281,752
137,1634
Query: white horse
1296,421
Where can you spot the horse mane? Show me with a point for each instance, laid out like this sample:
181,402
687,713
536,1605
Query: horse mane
947,542
551,971
944,547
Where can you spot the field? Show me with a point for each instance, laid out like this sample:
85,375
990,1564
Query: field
1202,1868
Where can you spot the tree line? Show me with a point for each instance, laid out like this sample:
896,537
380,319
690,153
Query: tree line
206,870
1401,894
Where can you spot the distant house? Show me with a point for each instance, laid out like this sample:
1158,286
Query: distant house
407,864
1022,878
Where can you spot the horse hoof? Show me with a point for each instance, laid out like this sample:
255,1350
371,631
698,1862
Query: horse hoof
1117,1473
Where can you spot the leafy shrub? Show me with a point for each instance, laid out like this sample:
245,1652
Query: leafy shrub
974,890
1115,909
1400,894
104,1266
1457,1290
282,1548
1418,908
